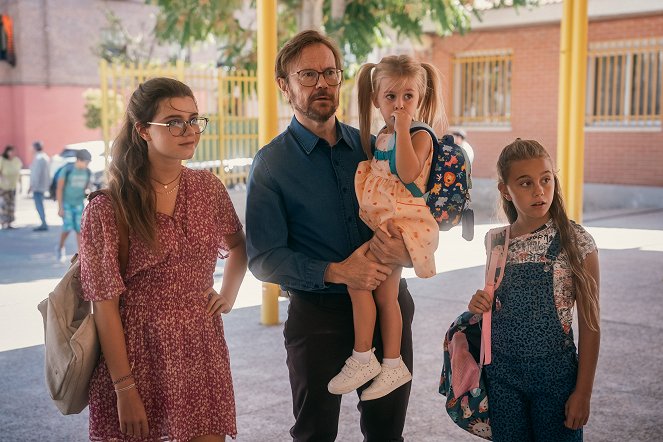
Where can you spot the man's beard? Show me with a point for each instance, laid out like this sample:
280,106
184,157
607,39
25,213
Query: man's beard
315,115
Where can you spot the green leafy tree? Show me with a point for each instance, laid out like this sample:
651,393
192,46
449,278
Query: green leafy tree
358,25
118,45
229,23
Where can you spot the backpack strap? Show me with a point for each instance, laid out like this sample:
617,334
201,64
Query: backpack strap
391,154
67,171
495,266
122,228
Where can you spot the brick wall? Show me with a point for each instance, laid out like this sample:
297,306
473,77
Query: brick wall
611,157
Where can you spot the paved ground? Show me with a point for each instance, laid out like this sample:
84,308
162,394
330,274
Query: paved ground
626,405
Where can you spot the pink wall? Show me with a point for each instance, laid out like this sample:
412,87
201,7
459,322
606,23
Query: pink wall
53,115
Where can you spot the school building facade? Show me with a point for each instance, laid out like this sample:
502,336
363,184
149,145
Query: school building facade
503,83
502,79
48,60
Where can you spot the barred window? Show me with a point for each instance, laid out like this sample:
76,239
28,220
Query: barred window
482,88
624,83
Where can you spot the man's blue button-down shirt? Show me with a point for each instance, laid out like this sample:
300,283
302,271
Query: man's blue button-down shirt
302,211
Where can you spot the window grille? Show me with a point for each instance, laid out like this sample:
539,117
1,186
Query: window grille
482,88
624,80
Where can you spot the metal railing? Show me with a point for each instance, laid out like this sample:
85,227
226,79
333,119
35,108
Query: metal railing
228,98
482,88
624,83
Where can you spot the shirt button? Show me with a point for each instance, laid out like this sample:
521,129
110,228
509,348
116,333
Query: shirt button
337,163
349,219
345,190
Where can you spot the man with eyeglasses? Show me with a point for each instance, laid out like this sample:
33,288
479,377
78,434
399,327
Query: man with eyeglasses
304,233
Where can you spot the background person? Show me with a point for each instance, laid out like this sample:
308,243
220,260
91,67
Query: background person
460,138
40,180
304,232
10,172
73,183
165,371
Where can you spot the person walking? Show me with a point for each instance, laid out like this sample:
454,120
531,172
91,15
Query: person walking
10,172
72,186
304,233
40,180
165,370
539,385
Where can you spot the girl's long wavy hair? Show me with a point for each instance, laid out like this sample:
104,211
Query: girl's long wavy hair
398,68
129,170
584,285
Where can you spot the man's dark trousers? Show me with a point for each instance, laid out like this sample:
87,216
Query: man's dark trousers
319,336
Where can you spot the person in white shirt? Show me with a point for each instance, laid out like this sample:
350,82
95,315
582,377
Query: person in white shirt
40,178
460,139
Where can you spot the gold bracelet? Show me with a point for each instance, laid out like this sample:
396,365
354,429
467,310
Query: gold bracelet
128,387
123,378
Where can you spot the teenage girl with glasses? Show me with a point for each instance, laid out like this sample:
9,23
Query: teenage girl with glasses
165,372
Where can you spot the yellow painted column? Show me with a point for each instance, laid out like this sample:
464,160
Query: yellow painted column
577,109
105,118
571,124
267,122
564,96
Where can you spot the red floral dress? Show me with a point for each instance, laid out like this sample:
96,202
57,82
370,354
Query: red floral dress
178,353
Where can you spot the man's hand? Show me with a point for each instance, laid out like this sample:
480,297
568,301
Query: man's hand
357,271
389,247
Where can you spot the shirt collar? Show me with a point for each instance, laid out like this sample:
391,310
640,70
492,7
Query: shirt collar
308,140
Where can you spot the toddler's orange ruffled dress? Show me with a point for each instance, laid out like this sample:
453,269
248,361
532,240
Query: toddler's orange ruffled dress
382,196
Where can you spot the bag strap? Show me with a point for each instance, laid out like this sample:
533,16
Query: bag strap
416,126
494,273
122,228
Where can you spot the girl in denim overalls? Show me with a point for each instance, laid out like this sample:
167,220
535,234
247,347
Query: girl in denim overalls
539,385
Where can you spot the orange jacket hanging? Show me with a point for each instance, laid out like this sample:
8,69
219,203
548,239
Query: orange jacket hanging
7,40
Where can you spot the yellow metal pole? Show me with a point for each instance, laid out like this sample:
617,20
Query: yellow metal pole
577,110
221,121
564,95
267,122
105,123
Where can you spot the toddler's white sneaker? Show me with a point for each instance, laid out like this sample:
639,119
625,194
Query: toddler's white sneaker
387,381
353,375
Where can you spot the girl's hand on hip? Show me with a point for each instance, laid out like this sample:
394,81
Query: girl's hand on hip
216,303
577,410
481,302
131,413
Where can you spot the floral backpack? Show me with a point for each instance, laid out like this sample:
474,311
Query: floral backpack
467,349
449,183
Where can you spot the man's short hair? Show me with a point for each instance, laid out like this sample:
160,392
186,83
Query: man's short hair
37,145
83,155
293,48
